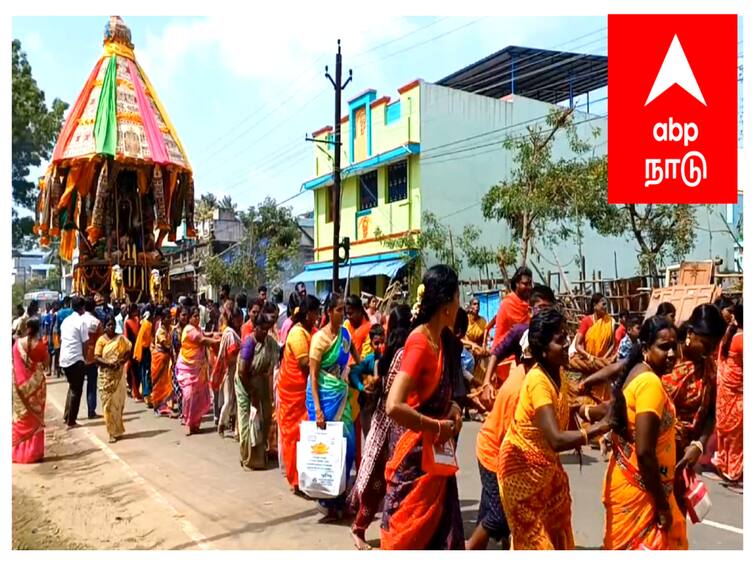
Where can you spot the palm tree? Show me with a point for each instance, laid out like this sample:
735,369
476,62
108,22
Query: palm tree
204,207
227,204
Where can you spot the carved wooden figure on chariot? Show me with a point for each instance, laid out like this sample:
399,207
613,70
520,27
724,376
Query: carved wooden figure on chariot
156,287
117,289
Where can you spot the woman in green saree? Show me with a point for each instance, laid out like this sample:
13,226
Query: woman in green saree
328,388
256,362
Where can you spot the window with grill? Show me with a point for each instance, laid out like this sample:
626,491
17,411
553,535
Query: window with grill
368,190
397,182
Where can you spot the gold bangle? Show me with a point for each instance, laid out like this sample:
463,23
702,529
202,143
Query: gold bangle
584,436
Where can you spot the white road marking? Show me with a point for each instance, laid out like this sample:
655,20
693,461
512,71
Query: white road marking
723,527
186,526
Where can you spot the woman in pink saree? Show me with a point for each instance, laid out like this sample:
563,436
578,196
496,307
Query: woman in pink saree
29,394
192,374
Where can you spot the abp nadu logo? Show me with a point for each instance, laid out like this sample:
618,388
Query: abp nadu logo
672,135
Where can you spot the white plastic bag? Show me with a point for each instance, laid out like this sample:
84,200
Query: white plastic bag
255,427
321,460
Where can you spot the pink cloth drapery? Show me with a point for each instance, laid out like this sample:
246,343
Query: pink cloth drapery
154,136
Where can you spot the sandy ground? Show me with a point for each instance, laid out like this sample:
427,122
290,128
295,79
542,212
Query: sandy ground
79,498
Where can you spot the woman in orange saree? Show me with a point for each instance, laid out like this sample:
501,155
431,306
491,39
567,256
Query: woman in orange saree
29,395
729,405
292,383
641,512
160,374
532,482
421,509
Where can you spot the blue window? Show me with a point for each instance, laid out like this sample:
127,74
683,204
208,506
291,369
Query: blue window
392,112
397,182
368,190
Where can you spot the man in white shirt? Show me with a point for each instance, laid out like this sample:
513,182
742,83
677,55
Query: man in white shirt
73,335
202,313
120,318
94,328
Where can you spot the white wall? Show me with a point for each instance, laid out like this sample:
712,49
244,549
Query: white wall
453,182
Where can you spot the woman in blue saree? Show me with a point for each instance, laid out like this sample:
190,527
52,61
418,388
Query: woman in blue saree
328,388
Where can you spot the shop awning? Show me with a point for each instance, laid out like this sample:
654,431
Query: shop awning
385,264
181,270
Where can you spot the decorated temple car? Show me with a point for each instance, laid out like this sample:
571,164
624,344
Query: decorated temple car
119,181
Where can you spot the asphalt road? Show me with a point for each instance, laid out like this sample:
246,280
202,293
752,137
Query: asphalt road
217,504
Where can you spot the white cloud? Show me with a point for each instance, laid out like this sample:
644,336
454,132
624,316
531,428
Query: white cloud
32,43
271,53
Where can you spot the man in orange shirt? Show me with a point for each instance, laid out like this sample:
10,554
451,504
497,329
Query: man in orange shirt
515,307
491,521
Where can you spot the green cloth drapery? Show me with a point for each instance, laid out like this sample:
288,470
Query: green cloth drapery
105,124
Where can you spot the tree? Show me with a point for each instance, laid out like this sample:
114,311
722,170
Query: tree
544,200
227,204
662,231
434,242
204,207
437,242
482,257
34,131
271,237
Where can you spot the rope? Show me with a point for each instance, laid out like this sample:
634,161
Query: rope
117,225
144,257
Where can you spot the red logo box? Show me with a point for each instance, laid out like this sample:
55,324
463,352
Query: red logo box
672,136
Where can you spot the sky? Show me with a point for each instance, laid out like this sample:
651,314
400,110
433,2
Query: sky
242,94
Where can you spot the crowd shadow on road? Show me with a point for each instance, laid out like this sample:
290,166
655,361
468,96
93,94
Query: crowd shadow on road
69,456
572,458
101,422
257,527
143,434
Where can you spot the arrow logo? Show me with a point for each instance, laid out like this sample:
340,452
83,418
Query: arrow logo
675,70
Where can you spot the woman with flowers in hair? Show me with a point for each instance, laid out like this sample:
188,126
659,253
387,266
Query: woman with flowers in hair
421,508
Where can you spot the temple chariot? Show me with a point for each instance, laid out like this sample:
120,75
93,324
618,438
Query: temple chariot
119,181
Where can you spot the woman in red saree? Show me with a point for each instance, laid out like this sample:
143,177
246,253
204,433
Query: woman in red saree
369,488
422,508
29,395
729,404
691,386
292,383
191,373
